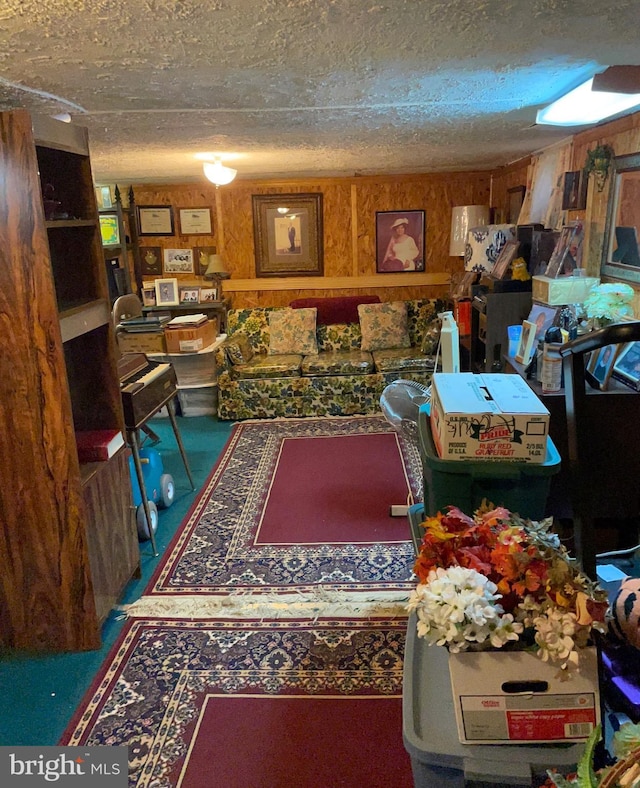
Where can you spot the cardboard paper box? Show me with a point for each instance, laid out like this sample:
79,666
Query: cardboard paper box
487,417
142,342
189,340
513,697
563,290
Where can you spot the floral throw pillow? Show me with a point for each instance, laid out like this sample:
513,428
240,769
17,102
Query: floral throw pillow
293,331
384,326
238,349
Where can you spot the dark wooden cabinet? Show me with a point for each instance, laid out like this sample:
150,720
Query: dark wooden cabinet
68,541
491,313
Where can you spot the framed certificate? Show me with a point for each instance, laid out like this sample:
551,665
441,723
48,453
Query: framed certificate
155,219
195,221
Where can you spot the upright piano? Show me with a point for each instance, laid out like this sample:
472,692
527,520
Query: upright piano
146,386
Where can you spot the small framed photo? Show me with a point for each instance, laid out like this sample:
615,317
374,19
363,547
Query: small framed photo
567,253
189,295
626,367
155,219
543,317
167,292
505,258
178,261
527,340
574,192
208,294
195,221
148,296
600,366
399,241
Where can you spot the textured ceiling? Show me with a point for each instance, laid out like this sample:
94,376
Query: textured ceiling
286,88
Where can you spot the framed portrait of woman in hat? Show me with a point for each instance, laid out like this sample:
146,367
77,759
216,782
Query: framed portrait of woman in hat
399,241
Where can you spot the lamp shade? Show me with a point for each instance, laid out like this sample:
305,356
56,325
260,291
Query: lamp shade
215,269
463,218
217,173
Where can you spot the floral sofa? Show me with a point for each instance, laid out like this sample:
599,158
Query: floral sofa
300,361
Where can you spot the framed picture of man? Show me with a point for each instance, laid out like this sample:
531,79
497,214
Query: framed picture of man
400,241
600,366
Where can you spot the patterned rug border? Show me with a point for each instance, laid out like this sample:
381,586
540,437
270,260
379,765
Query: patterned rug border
190,521
157,742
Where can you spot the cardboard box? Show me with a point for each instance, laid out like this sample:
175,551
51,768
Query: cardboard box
487,417
189,340
563,290
142,341
513,697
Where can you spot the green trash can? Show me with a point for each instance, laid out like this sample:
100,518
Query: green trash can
521,487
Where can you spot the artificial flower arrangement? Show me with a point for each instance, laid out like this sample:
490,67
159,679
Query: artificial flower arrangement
611,301
496,580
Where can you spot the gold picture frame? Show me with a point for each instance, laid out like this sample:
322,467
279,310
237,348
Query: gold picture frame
288,236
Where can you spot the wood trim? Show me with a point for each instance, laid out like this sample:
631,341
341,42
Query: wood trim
338,283
354,230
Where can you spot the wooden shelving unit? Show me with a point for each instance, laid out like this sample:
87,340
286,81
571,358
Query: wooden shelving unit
68,542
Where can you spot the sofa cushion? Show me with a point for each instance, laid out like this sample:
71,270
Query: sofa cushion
338,309
264,366
341,362
292,331
238,349
401,360
384,325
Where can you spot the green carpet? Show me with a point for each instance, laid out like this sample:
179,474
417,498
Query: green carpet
38,694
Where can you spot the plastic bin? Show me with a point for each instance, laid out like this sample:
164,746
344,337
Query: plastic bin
519,486
438,759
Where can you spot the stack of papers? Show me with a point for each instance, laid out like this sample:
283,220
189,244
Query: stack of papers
187,321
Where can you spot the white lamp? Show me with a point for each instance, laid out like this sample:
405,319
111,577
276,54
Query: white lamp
217,173
463,218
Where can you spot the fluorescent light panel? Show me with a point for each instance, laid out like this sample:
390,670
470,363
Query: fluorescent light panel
582,106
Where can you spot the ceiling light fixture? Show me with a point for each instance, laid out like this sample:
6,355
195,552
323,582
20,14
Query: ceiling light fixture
583,105
217,173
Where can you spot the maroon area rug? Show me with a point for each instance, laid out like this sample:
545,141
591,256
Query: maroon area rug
298,504
238,704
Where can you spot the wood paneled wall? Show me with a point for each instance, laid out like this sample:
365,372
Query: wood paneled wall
349,219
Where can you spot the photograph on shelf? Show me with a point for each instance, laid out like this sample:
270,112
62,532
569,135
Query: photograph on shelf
148,296
399,241
567,253
189,295
288,234
154,219
626,367
501,267
542,317
201,255
208,294
195,221
151,261
462,287
600,366
574,192
527,343
167,292
178,261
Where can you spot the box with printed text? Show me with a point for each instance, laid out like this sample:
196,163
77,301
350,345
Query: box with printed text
190,340
487,417
513,697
